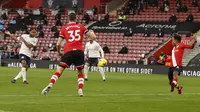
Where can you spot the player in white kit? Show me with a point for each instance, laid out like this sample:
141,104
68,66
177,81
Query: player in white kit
92,53
28,41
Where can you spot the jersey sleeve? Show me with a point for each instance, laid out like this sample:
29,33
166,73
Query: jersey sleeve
34,41
24,36
61,35
186,46
84,29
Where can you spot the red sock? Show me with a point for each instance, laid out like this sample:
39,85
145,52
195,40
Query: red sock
80,81
175,81
54,77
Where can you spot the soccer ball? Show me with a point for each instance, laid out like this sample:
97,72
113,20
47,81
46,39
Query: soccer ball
102,62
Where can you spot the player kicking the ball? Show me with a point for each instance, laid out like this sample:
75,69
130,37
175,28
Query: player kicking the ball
73,52
176,61
28,42
92,53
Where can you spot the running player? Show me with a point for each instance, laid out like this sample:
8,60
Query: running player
176,61
28,42
92,53
73,51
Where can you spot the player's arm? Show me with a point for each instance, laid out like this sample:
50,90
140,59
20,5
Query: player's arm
29,45
59,41
86,50
58,45
191,44
101,51
12,36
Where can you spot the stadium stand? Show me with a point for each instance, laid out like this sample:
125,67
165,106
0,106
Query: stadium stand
137,45
152,14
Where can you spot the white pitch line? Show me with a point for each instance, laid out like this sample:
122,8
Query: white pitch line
68,95
5,111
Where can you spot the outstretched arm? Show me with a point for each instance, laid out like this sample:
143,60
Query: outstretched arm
191,44
19,39
12,36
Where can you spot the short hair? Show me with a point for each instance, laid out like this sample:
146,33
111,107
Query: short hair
72,16
33,29
177,37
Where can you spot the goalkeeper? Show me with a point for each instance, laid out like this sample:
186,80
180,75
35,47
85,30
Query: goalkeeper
92,55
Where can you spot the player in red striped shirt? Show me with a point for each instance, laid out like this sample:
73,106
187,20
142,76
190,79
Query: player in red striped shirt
176,61
73,51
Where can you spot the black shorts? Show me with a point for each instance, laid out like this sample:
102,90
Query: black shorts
72,57
26,58
93,61
179,69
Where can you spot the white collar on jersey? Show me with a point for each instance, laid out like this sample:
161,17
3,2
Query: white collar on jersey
72,22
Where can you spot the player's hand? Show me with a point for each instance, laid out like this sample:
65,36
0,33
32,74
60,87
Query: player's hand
20,38
86,58
8,33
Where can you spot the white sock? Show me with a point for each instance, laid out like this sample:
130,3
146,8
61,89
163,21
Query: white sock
18,76
23,72
102,73
86,69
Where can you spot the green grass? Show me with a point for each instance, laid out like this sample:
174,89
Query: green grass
121,93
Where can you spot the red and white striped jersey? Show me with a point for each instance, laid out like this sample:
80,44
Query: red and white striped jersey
177,54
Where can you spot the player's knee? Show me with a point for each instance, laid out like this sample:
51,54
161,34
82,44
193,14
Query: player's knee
80,71
175,73
60,70
23,62
86,65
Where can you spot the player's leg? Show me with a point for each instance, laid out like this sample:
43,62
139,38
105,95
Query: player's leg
24,70
170,77
22,73
19,75
101,70
86,69
80,80
53,79
176,73
78,61
65,63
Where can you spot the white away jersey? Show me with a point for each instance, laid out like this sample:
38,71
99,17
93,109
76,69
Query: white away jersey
24,49
93,50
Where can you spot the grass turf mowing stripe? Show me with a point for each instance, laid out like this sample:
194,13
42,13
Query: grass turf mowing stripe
68,95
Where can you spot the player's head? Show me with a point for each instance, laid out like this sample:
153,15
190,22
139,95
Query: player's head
176,39
33,32
72,17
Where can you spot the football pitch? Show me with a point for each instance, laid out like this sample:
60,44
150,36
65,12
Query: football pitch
121,93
